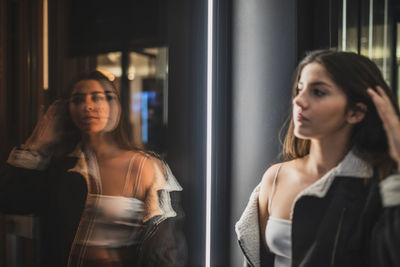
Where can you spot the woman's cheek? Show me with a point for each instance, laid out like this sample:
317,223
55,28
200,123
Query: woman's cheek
114,113
103,111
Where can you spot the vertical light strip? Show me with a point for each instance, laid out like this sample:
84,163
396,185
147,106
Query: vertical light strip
45,46
370,27
209,129
344,25
385,40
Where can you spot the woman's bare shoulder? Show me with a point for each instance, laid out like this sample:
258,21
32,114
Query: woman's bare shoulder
141,156
153,168
270,174
148,166
272,171
267,181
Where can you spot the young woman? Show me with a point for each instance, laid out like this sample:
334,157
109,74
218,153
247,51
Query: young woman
329,203
100,201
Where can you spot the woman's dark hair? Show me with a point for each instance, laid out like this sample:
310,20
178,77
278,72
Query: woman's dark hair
354,74
119,133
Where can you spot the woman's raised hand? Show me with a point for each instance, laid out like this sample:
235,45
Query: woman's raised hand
49,129
390,119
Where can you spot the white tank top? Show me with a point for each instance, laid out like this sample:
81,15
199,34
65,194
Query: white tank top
117,221
278,235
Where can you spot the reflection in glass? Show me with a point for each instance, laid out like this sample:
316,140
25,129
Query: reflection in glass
398,60
101,201
147,74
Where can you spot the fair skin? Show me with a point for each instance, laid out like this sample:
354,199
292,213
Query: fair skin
95,112
320,115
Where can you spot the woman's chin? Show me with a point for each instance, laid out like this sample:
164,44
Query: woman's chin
302,134
90,131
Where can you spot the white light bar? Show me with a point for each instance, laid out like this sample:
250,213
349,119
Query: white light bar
209,130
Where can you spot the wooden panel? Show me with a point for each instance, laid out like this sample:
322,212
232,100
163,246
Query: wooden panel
3,112
21,79
3,82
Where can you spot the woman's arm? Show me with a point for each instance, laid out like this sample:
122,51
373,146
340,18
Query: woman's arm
263,199
23,183
166,245
385,240
390,120
49,129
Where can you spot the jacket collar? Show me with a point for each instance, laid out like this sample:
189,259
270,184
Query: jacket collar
351,166
81,165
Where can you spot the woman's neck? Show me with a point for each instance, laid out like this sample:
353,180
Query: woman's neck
326,154
102,145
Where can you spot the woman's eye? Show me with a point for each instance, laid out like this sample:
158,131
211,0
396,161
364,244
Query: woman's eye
98,98
76,100
318,92
111,96
298,90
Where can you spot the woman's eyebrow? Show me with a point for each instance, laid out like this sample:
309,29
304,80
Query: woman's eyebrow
91,93
316,83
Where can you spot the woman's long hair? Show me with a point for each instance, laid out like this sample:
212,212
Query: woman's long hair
354,74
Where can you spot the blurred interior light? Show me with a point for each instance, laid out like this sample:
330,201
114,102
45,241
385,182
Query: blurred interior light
131,76
109,74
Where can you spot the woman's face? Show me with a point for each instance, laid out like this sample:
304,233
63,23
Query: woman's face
93,109
319,109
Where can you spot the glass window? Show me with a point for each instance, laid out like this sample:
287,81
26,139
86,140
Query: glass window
398,60
365,28
147,76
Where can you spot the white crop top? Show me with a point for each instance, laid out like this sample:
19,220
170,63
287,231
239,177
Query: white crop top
278,235
117,221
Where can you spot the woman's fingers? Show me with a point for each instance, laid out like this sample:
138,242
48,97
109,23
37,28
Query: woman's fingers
49,128
378,102
384,107
52,110
41,112
383,94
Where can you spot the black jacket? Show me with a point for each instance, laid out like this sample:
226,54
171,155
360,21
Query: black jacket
57,196
340,220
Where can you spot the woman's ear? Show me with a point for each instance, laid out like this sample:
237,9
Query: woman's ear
356,113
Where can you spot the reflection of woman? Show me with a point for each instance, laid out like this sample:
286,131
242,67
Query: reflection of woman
323,206
102,203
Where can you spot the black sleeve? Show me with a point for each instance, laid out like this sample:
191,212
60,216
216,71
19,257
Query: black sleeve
167,245
22,191
385,236
385,241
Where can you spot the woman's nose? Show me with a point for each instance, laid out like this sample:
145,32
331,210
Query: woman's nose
89,105
300,100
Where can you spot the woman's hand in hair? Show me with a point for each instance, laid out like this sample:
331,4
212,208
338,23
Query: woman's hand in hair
49,128
390,120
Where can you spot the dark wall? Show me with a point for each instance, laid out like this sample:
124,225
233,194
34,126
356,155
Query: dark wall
317,25
98,26
187,115
263,61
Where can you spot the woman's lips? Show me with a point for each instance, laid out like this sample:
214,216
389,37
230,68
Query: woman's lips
300,117
89,118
